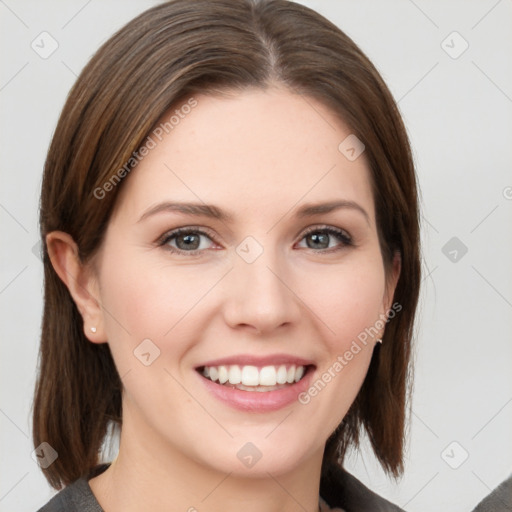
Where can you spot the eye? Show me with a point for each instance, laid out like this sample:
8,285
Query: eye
320,238
186,240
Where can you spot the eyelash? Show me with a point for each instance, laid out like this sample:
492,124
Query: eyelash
342,236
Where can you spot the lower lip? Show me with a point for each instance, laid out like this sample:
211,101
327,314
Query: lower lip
257,401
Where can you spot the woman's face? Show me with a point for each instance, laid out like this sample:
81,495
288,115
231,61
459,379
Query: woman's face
263,284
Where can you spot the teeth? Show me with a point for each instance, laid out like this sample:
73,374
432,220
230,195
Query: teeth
268,376
223,374
281,374
213,373
235,374
250,376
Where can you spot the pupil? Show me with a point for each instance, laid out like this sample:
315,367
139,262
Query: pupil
188,240
319,238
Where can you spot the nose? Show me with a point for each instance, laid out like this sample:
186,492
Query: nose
259,296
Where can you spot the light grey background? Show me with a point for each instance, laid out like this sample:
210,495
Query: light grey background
458,114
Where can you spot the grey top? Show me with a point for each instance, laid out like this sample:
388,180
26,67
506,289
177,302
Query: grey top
338,488
499,500
75,497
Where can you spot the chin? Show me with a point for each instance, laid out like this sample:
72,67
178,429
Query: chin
257,456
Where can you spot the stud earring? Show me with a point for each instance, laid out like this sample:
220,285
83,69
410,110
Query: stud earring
93,329
379,340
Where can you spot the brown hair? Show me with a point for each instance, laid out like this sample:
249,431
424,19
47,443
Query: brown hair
167,53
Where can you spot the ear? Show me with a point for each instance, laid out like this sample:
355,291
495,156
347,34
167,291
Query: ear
80,280
391,281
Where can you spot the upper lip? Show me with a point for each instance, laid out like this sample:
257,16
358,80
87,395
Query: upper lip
251,360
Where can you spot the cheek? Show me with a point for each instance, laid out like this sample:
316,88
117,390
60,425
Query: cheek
144,302
144,299
348,306
132,302
348,302
147,300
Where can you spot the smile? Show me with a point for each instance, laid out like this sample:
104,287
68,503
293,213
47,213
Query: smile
253,378
256,383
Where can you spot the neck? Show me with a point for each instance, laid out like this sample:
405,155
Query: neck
148,474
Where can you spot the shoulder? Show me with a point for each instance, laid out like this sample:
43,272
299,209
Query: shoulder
341,489
76,497
500,499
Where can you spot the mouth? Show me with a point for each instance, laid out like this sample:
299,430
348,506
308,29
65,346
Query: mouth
256,378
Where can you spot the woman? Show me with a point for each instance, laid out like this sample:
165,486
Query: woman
229,211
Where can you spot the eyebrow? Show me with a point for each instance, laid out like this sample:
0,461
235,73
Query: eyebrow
212,211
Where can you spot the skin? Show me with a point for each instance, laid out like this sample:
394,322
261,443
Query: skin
260,155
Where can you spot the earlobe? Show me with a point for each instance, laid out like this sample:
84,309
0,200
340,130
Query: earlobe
79,280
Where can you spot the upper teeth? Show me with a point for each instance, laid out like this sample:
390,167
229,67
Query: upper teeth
254,376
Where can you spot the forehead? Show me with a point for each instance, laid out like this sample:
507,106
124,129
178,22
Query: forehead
257,151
